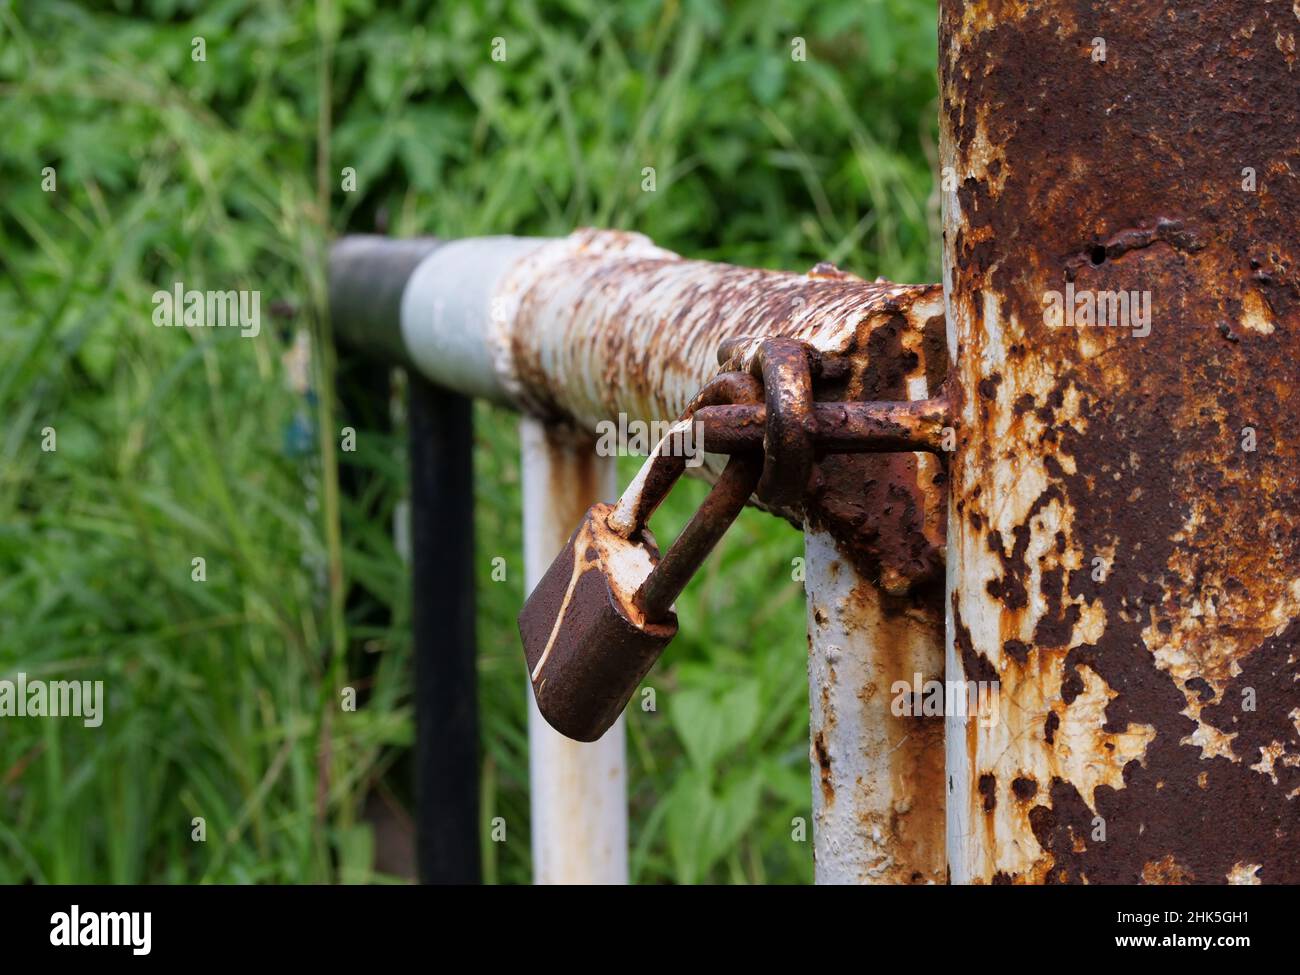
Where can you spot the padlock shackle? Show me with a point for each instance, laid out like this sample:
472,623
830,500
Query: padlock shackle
664,467
653,481
692,546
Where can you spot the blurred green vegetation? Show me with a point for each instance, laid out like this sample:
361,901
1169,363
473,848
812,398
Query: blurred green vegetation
225,173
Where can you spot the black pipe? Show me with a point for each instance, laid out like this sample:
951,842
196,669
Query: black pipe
367,275
442,609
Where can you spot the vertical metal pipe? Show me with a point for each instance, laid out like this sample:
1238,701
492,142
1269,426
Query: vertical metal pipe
877,774
442,609
578,790
875,630
1121,271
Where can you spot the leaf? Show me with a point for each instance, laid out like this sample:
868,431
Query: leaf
767,80
382,78
709,726
687,825
356,848
735,811
703,826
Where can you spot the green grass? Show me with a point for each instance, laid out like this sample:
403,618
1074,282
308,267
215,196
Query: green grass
223,695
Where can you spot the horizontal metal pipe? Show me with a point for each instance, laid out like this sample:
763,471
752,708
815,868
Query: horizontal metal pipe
597,324
368,276
603,328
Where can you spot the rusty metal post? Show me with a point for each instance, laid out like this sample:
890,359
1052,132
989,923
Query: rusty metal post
877,775
875,633
1121,262
578,790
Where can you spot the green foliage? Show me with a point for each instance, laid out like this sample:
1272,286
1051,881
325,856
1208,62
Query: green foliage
223,696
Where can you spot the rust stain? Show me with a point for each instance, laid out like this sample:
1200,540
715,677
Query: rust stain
573,472
911,750
1166,871
887,510
823,759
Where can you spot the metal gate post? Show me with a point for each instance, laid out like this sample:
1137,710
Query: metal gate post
877,775
441,438
1120,264
875,633
578,791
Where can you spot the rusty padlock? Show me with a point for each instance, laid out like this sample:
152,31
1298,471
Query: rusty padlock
602,614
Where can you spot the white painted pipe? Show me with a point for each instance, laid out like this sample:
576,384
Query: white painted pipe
601,322
578,790
877,775
454,314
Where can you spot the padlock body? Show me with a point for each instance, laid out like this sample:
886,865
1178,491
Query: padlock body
586,644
